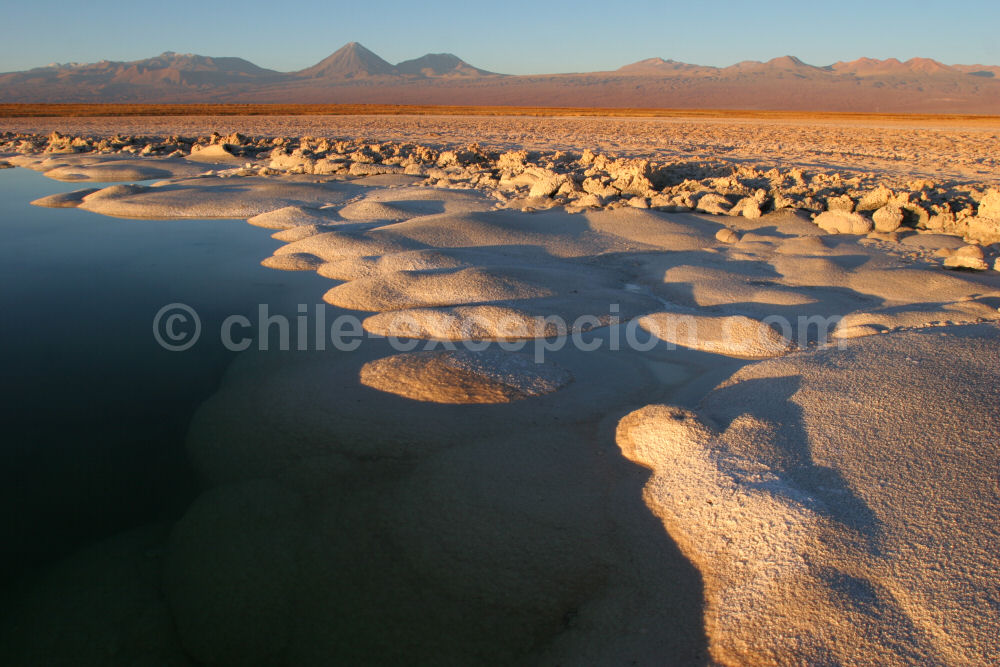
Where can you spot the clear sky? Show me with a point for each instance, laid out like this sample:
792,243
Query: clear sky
510,36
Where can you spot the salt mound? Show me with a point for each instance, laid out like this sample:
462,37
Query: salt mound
482,322
289,217
293,234
932,241
64,199
652,229
489,376
299,261
113,192
803,245
888,219
843,222
714,204
366,209
560,234
705,285
420,201
726,235
566,313
107,171
409,289
815,539
898,285
214,154
989,205
915,316
334,245
967,257
731,335
414,260
216,197
44,162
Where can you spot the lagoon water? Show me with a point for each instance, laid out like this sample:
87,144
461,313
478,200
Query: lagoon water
94,410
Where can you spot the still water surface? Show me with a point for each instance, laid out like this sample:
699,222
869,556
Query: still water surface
93,410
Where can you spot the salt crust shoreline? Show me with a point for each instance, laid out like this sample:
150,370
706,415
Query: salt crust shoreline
851,203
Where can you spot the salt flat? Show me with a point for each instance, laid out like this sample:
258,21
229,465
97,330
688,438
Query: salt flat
891,147
732,406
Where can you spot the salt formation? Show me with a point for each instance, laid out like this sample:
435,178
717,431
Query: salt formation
463,376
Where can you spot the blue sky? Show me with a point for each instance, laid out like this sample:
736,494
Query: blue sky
510,36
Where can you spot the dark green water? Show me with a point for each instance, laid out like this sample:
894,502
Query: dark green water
93,410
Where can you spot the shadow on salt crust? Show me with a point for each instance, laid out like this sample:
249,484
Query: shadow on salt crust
462,376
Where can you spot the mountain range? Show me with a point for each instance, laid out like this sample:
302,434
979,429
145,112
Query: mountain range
356,75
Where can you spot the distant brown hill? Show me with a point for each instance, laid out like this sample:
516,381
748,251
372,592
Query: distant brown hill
356,75
439,64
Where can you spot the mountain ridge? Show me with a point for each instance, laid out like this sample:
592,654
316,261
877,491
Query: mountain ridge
354,74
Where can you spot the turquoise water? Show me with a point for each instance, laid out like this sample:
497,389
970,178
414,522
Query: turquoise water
94,411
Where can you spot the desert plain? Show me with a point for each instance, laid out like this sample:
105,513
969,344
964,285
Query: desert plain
689,389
